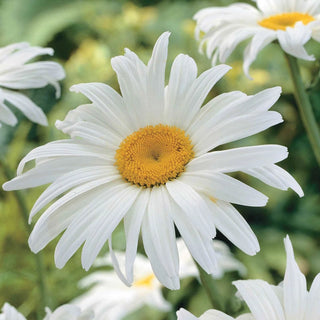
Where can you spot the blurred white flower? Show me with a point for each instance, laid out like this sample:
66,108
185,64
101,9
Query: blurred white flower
111,299
145,157
292,22
68,312
288,301
17,74
10,313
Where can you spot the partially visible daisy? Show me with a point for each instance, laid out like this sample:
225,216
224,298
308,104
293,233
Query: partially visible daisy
69,312
145,157
289,301
10,313
111,299
17,74
292,22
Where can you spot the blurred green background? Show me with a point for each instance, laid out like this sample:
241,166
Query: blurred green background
85,35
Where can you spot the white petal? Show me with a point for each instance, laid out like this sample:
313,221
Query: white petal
23,55
26,106
183,74
6,115
261,299
230,222
156,77
110,104
313,306
194,206
132,225
215,315
199,91
238,158
276,177
59,215
159,223
49,171
33,75
10,313
294,287
236,128
114,210
223,187
293,40
183,314
199,244
70,180
259,41
64,148
133,83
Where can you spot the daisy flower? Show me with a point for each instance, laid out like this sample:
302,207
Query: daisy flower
111,299
292,22
144,157
17,74
290,300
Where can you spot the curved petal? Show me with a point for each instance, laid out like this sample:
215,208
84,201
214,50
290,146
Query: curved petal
230,222
158,223
293,40
294,287
261,299
26,106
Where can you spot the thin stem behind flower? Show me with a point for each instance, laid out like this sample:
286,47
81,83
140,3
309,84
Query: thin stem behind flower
305,106
43,292
209,286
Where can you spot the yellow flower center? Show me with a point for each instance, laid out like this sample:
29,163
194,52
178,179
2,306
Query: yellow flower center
153,155
145,282
284,20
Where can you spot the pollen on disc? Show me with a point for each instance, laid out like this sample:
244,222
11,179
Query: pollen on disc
154,155
284,20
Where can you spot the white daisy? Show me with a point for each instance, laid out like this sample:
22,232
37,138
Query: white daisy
10,313
288,301
68,312
292,22
111,299
144,157
17,74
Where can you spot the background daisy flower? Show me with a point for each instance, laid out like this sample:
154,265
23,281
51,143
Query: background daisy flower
145,157
292,23
17,74
111,299
290,300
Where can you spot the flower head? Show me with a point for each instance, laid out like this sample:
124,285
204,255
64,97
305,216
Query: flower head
17,74
145,157
290,300
292,23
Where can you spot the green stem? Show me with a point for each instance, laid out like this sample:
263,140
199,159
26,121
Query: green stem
210,287
305,106
43,292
